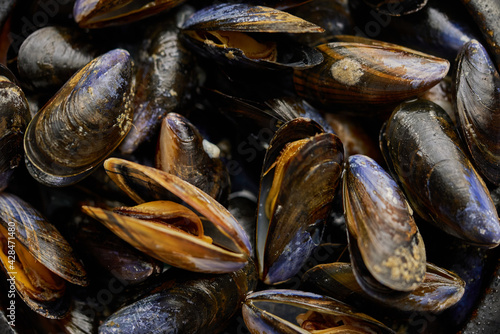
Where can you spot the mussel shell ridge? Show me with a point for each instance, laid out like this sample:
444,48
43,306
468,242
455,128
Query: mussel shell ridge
83,123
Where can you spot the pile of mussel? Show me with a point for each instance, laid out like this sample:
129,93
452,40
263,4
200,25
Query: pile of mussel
278,166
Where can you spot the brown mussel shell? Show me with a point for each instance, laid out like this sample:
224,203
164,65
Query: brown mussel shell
14,118
476,85
368,74
279,311
183,152
380,222
83,123
439,290
103,13
227,253
27,227
421,147
301,199
241,35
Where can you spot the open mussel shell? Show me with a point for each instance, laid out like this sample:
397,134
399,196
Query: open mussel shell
51,55
43,258
364,73
281,311
421,147
14,118
439,290
478,107
183,152
380,222
239,35
301,172
83,123
103,13
230,248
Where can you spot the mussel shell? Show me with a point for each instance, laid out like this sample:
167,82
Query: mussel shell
179,249
83,123
51,55
247,18
365,73
196,305
103,13
183,152
476,86
260,320
259,22
485,14
14,118
440,289
165,74
420,145
380,222
303,202
47,246
41,238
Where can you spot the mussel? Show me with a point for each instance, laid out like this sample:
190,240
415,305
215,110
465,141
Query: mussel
238,35
293,311
477,102
37,258
169,231
83,123
191,304
386,248
183,152
51,55
14,118
165,74
367,74
102,13
439,290
424,152
300,175
485,14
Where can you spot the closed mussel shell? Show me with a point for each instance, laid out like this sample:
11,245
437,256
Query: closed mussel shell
165,72
485,14
50,258
365,73
227,248
380,222
198,304
103,13
14,118
477,82
83,123
422,148
293,311
182,151
51,55
299,179
239,35
439,290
